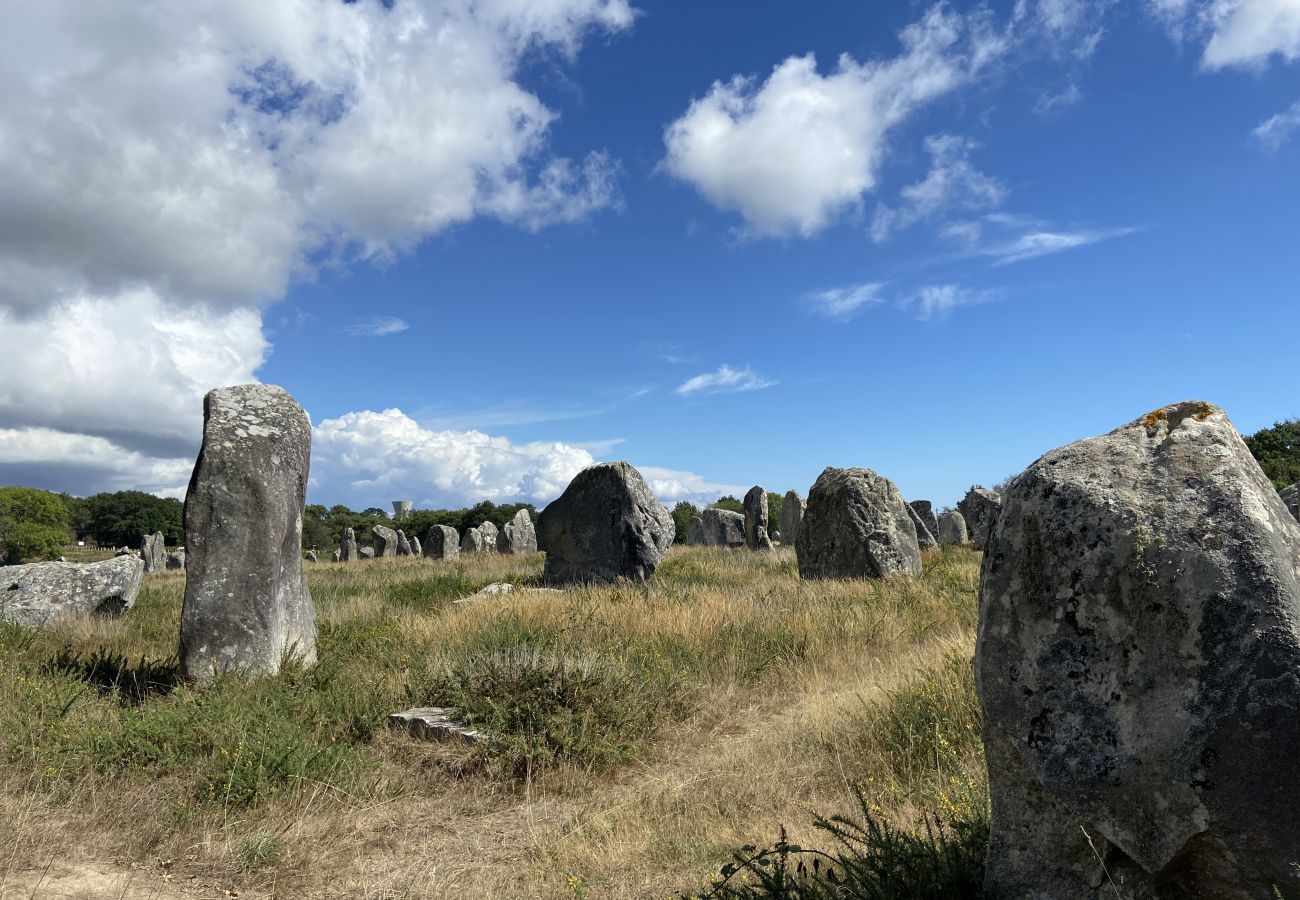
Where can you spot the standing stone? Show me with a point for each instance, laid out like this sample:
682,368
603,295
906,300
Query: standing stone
952,528
695,533
519,536
792,509
416,548
175,560
723,528
489,533
246,602
36,595
403,545
925,510
756,536
441,542
1291,499
924,539
366,553
856,526
153,552
471,542
1138,662
776,536
348,546
337,556
606,525
310,556
384,540
980,509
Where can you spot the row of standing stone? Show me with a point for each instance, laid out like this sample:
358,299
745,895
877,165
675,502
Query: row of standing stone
519,536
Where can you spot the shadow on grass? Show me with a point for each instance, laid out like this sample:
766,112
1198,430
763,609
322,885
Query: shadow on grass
113,676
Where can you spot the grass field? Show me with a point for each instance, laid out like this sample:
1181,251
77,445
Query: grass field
643,733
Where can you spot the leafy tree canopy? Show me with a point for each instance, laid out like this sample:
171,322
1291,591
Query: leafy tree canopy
1277,450
123,518
682,514
33,525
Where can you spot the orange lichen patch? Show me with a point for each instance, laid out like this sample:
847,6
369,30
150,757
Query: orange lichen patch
1205,411
1153,418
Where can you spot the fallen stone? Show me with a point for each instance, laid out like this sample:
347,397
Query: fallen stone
247,606
856,526
435,723
723,528
37,595
1138,663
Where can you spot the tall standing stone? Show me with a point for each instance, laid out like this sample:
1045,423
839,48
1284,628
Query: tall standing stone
384,540
952,528
792,509
925,509
980,509
489,533
519,536
471,541
403,545
348,546
153,552
441,542
856,526
723,528
606,525
247,606
756,536
924,539
1138,662
417,549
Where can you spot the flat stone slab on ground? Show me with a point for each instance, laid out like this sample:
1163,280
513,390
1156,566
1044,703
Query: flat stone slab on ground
497,588
434,723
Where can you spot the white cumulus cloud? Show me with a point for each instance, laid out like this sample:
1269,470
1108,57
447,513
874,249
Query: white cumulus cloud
1234,32
673,486
723,380
792,153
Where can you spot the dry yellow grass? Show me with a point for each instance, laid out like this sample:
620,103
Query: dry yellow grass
779,686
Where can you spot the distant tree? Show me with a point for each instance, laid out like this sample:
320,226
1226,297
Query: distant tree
774,502
682,514
33,525
1277,450
316,531
122,518
374,512
728,502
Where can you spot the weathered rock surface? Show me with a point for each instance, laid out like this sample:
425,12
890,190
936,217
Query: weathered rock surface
247,606
490,535
441,542
403,545
1138,662
980,509
417,549
606,525
519,536
435,723
384,540
924,539
952,528
756,536
1291,499
856,526
471,541
39,594
695,533
723,528
175,560
792,509
925,509
348,546
366,553
153,552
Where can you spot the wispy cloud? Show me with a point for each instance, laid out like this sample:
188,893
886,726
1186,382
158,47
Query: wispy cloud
1277,129
843,303
725,380
379,326
1033,244
1050,104
952,183
935,302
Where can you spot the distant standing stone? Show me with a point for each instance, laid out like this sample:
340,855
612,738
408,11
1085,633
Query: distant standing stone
952,528
416,548
925,510
348,546
756,536
310,556
366,553
856,526
472,541
337,556
403,545
723,528
924,538
792,508
1291,499
980,508
776,536
153,552
519,536
606,525
695,533
246,601
40,594
175,560
441,542
384,540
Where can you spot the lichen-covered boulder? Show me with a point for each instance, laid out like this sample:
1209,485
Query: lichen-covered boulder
723,528
403,545
153,552
952,528
925,509
384,540
856,526
348,546
792,509
1291,499
36,595
247,606
519,536
980,509
924,539
1138,663
756,519
441,542
606,525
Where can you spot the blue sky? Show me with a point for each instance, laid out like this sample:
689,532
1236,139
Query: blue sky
729,242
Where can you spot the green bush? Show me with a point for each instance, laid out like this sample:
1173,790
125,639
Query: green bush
1277,450
33,525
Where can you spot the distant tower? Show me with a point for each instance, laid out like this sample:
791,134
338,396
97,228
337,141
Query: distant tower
401,509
